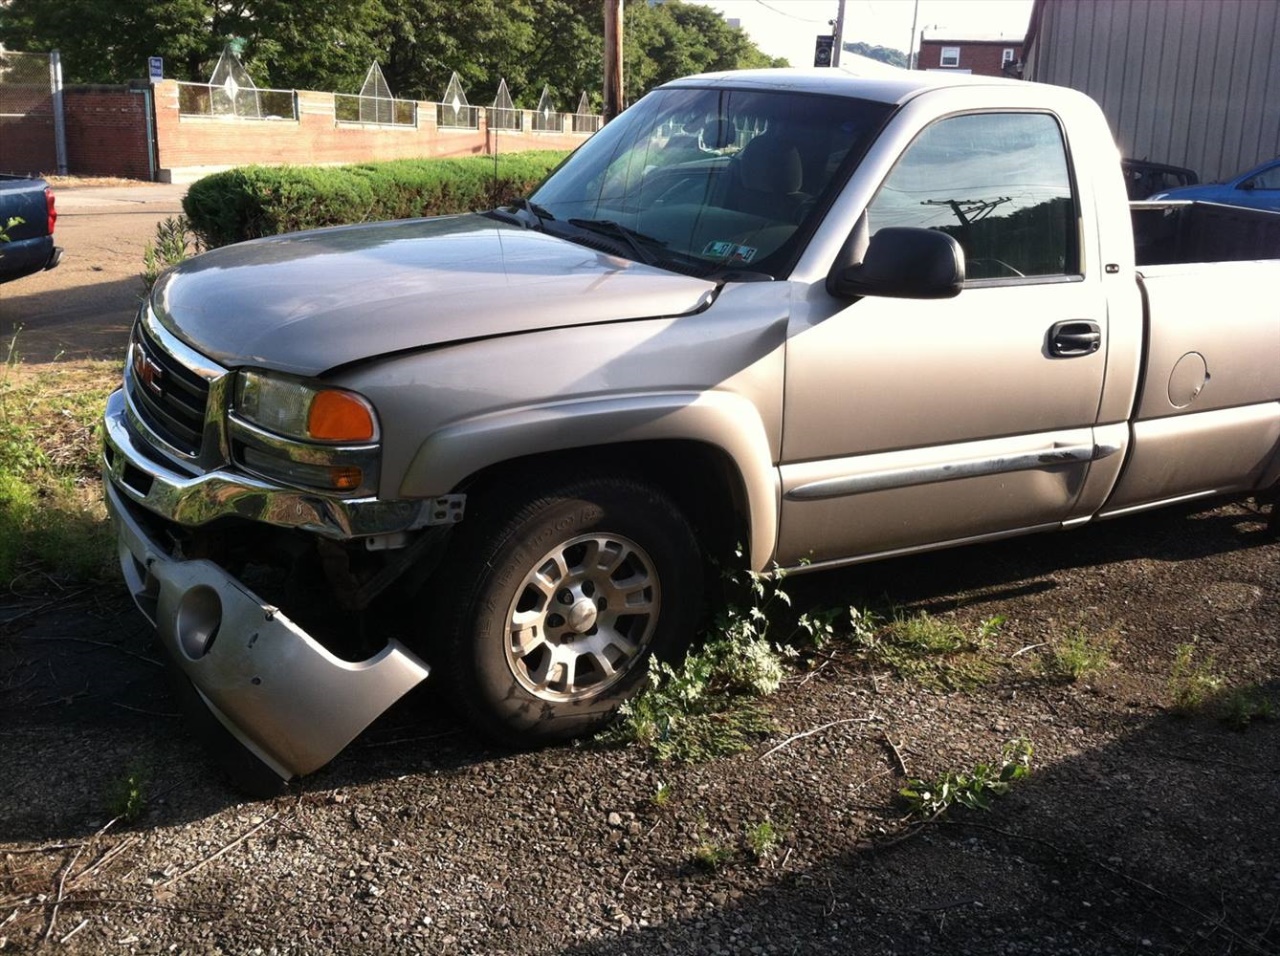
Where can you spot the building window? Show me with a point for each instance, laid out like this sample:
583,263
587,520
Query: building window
1007,57
950,56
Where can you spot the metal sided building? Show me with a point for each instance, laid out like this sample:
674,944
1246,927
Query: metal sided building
1192,83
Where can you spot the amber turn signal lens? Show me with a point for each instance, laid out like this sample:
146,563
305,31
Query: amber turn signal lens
346,478
339,416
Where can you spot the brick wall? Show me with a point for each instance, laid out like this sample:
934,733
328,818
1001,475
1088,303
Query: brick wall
980,57
107,131
191,146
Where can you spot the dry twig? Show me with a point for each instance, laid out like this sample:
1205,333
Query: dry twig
62,892
226,849
83,923
1029,647
85,640
902,763
817,730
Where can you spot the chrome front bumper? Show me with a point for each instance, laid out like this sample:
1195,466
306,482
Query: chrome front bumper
196,499
276,690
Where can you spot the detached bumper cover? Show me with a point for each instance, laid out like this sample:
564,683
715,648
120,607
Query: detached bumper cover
276,690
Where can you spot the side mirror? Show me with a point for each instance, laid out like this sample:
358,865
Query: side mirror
904,263
1248,185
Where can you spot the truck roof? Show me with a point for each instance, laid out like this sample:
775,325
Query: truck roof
880,87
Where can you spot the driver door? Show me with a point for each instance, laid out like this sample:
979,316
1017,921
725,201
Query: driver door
912,423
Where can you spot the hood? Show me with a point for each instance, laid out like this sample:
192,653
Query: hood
308,302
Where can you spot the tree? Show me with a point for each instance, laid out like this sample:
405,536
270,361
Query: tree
675,39
884,54
287,43
108,41
329,44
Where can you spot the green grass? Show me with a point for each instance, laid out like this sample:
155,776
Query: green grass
1244,706
1193,681
1077,655
52,520
935,652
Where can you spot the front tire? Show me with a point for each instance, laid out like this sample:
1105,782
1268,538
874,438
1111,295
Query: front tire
559,598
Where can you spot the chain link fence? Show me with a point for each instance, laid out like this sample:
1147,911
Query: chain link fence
29,116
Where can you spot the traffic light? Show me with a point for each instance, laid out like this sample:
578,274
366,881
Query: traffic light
822,50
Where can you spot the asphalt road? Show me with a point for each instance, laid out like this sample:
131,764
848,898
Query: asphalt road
83,308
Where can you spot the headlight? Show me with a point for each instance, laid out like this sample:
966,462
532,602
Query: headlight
304,434
296,409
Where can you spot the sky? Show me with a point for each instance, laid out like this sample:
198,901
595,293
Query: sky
788,27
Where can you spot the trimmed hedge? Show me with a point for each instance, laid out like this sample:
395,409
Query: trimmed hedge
254,201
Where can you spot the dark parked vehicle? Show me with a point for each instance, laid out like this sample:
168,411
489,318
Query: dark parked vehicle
1142,178
30,245
1258,188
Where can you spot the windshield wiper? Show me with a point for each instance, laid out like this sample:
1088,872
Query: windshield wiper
542,215
615,230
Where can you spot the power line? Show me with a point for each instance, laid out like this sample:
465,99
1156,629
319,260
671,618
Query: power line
790,16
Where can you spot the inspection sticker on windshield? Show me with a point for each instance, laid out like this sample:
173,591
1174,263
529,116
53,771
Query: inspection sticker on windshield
730,251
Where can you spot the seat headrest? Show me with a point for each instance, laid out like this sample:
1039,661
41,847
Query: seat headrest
769,165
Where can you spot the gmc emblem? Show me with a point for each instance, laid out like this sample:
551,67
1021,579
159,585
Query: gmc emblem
148,372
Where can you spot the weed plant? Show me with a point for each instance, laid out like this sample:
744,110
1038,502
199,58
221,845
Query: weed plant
1077,655
708,705
127,796
173,244
763,840
974,789
710,856
1193,682
10,223
1245,706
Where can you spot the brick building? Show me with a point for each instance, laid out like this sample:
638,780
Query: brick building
997,56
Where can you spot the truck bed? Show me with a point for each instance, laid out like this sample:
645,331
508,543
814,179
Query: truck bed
30,245
1170,232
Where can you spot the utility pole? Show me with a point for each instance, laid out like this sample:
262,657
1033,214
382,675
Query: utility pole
915,18
612,58
835,49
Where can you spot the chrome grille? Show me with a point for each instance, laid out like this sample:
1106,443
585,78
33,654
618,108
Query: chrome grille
168,396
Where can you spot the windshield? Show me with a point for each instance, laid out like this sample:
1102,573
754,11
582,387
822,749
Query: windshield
710,181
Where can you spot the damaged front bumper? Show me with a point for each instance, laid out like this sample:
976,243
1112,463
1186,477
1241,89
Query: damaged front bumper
275,690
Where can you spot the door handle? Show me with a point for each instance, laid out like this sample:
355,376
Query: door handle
1074,337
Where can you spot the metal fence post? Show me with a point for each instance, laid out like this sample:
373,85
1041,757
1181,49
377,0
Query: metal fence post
59,124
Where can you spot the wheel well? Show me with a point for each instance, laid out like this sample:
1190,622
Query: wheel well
701,479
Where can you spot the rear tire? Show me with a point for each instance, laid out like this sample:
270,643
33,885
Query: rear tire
558,598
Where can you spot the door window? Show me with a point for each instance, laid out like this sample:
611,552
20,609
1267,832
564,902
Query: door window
1267,179
997,182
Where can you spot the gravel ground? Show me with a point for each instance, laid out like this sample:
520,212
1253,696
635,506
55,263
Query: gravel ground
1138,831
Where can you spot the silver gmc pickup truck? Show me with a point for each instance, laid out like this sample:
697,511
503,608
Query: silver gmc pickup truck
828,317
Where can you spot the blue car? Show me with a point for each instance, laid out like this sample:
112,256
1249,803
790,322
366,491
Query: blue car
1259,188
